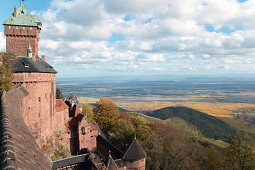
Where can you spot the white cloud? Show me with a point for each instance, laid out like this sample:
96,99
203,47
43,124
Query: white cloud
2,41
160,33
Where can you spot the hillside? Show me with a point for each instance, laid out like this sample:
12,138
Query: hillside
209,126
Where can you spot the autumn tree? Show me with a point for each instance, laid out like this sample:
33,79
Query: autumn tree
87,110
6,71
123,134
240,153
105,114
59,94
142,129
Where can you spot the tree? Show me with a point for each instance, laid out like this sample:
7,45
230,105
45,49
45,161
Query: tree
6,71
123,134
106,114
87,110
59,94
240,154
141,128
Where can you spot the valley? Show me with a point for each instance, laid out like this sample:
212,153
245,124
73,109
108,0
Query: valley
217,96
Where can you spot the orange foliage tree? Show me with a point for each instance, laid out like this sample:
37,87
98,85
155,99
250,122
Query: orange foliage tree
106,114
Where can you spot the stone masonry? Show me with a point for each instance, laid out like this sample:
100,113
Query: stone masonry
19,37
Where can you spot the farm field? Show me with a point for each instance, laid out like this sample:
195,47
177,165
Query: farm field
216,96
223,111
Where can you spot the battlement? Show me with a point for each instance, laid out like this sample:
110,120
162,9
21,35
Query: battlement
10,30
20,29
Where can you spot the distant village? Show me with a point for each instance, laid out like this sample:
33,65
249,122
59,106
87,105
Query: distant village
245,114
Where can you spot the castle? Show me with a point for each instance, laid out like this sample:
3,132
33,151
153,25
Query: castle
33,101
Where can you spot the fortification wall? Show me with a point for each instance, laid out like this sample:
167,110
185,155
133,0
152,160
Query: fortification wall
38,108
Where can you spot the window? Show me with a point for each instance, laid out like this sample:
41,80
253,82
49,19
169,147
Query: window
39,99
17,28
83,130
10,27
31,28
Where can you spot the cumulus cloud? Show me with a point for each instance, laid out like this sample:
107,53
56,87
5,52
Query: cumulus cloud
154,35
2,41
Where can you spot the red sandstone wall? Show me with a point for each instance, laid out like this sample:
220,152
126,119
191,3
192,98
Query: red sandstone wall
87,140
18,38
59,119
136,164
38,108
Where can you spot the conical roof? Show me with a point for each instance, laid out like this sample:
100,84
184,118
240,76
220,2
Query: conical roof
23,18
135,152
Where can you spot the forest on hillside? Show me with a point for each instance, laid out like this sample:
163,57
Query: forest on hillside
209,126
173,142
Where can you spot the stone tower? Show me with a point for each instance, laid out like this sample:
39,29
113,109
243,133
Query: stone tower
135,156
20,29
32,73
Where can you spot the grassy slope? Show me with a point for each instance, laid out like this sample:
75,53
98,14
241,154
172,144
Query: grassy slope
208,125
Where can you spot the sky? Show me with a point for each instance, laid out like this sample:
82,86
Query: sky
82,38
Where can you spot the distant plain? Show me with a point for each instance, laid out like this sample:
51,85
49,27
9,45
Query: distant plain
217,96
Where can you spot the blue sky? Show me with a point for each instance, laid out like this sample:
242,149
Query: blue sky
136,37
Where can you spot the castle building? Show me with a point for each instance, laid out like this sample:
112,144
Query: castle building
32,102
20,29
32,72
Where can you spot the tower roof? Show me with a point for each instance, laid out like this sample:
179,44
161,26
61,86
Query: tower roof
22,17
135,152
72,98
28,65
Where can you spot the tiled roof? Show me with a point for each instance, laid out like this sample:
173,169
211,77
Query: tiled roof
60,105
18,149
25,64
23,18
116,153
135,152
70,161
92,126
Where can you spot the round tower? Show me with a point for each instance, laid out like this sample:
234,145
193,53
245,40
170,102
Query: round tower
20,29
135,156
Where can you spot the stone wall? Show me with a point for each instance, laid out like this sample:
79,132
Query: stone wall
87,135
18,149
139,165
18,38
38,108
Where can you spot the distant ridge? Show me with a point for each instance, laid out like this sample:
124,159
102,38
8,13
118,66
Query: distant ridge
208,125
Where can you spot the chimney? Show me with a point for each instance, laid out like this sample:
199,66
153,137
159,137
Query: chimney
33,56
15,12
43,57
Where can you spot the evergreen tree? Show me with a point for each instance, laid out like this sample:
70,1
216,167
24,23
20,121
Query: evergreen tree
59,94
